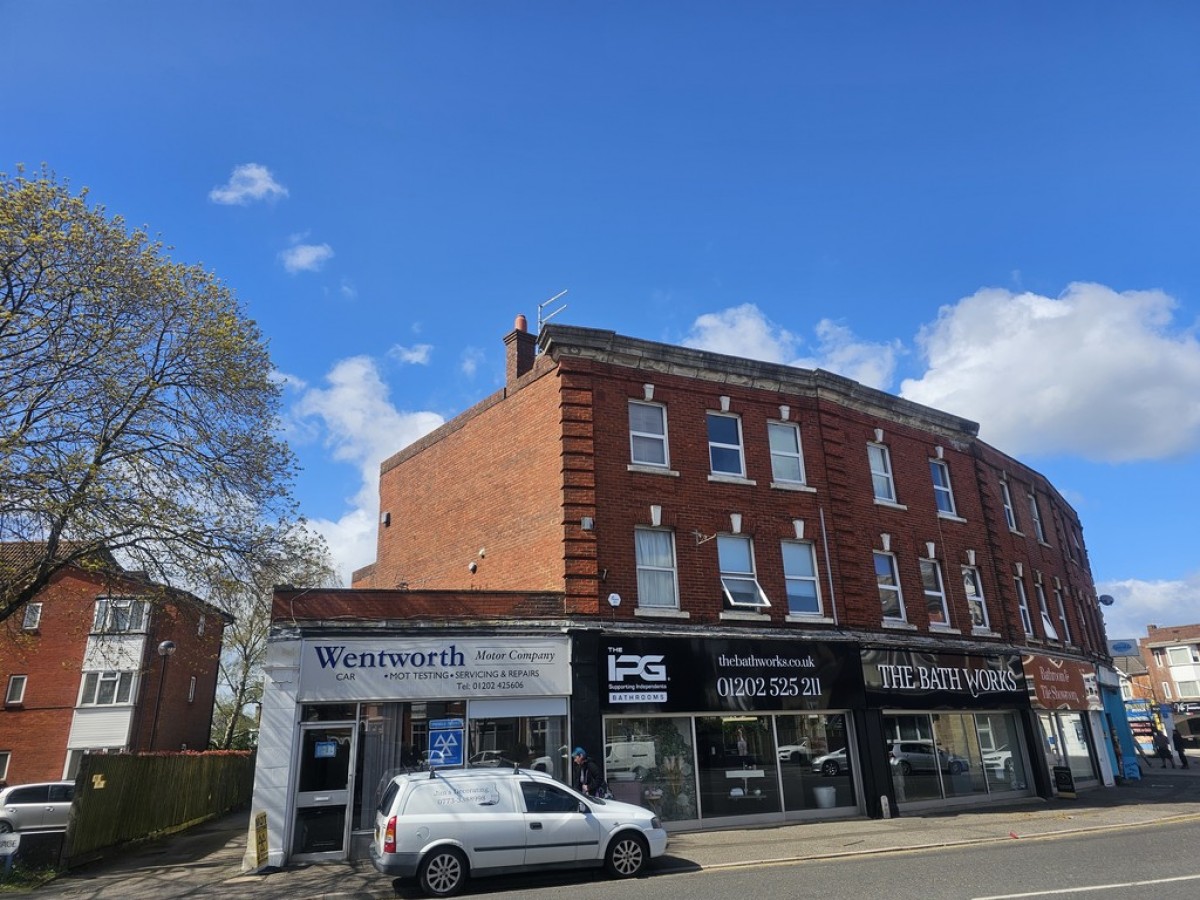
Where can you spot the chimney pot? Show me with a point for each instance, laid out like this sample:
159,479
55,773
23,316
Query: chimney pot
521,324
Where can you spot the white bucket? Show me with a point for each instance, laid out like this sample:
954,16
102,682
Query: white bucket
826,797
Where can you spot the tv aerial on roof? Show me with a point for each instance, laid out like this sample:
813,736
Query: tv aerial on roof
543,320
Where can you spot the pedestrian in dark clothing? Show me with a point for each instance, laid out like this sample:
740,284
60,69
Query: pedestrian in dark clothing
589,779
1180,746
1163,748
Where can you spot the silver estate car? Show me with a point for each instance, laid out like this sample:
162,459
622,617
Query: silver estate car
445,826
44,806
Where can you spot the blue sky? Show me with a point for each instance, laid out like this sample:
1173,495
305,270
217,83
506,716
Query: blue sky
988,208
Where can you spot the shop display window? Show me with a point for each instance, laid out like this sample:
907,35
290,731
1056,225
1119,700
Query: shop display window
738,771
651,762
814,762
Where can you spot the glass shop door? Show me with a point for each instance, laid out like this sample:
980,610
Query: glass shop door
323,792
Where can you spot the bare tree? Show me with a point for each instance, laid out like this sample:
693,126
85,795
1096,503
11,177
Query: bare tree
138,410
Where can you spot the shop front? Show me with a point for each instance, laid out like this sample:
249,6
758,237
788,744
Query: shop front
715,731
952,726
342,716
1066,698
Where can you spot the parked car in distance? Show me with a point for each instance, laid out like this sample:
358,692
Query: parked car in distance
795,753
638,757
42,806
485,759
446,826
831,764
921,756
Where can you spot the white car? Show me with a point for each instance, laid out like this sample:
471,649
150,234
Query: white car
445,826
795,753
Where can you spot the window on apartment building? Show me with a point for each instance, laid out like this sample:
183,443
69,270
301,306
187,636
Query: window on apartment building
976,605
657,583
1023,605
942,492
106,688
1044,611
1183,656
1077,554
800,574
881,473
935,592
201,624
15,694
1166,690
1036,512
1158,656
787,458
119,615
1126,689
725,445
891,600
1010,511
735,555
1062,613
33,617
1188,688
648,434
5,759
192,689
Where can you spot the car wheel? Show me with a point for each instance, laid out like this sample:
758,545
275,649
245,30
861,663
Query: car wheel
905,767
5,828
956,768
627,855
443,872
830,768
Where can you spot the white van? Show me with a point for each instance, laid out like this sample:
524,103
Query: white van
630,756
446,825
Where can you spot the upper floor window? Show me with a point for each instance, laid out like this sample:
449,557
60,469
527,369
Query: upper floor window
5,757
935,592
800,573
1166,686
201,624
1183,656
119,615
787,460
942,492
1188,688
33,617
1044,611
657,582
16,689
192,689
1158,656
891,600
106,688
1023,605
881,473
1010,511
976,604
725,445
735,554
648,434
1062,612
1038,531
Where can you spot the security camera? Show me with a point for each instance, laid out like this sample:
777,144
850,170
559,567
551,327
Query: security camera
471,565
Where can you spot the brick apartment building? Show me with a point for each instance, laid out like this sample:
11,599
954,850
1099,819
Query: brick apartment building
82,672
1172,660
765,593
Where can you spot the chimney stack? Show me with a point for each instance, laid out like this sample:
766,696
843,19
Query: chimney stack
521,349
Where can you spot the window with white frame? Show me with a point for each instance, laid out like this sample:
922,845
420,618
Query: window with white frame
1010,511
1188,688
935,592
1183,656
201,624
1166,690
106,688
881,473
735,554
5,758
1023,605
891,599
1158,656
943,493
657,581
725,445
648,434
976,605
33,617
1126,689
119,615
787,457
16,689
800,573
192,689
1062,612
1044,611
1035,511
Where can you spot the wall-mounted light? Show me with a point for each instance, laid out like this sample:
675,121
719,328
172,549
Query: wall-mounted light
385,519
648,391
885,541
587,523
655,515
798,525
735,523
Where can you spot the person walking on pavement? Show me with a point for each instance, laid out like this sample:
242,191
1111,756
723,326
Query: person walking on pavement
1180,746
589,779
1162,748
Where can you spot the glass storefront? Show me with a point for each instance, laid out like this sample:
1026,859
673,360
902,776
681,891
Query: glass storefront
1067,742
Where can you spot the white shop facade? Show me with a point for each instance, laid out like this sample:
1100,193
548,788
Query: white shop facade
341,715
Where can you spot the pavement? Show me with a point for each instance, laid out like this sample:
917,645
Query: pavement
206,861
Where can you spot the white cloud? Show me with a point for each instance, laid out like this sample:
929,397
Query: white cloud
418,354
1137,604
470,360
744,331
248,182
1093,373
361,427
306,257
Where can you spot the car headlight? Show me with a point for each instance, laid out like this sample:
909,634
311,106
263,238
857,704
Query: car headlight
656,822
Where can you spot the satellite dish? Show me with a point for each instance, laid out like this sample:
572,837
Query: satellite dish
1106,600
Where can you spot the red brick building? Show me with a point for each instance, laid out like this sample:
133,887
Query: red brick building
82,672
1172,659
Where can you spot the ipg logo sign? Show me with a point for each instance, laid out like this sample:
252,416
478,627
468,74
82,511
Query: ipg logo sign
630,666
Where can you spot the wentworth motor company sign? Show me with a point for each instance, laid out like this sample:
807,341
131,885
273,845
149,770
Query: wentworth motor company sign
898,677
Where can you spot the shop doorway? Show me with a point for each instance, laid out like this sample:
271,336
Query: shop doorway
323,791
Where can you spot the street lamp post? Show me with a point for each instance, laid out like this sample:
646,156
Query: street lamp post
165,649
